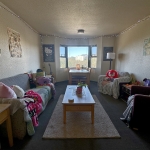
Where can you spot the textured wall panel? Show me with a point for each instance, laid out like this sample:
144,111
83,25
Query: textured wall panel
130,51
65,17
30,44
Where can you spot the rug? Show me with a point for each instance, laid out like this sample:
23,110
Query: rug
78,124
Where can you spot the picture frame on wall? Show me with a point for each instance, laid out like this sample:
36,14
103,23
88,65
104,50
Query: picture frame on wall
48,53
146,47
105,51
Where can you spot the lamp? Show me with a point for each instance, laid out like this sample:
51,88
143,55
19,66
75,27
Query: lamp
80,31
110,56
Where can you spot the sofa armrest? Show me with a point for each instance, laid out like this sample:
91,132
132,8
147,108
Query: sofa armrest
116,85
15,104
101,78
140,90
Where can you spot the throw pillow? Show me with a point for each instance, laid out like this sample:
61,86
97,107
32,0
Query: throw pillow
18,90
40,74
112,74
6,91
43,81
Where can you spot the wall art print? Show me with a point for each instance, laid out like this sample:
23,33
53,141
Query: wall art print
48,53
146,47
14,43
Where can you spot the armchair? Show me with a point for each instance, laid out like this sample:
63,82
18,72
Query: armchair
139,115
111,86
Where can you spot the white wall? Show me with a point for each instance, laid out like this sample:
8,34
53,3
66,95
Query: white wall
61,74
129,48
30,44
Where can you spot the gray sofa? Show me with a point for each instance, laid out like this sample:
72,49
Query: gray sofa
19,125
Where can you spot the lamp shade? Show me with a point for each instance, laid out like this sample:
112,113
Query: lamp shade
110,55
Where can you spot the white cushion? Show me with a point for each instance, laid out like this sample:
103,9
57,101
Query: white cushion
18,90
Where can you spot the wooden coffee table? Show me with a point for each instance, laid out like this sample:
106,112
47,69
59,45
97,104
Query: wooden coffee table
83,102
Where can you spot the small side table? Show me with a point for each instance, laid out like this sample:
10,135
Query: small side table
125,91
5,116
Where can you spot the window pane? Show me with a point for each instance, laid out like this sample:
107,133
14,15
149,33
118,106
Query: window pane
77,55
94,51
93,62
62,51
62,62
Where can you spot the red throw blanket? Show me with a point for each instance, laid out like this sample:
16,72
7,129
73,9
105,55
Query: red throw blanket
35,107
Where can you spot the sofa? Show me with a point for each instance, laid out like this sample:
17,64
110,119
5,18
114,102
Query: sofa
22,123
111,86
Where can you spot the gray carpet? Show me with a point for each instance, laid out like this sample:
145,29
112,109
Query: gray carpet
78,124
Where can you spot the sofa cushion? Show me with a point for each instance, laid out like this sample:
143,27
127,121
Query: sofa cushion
6,91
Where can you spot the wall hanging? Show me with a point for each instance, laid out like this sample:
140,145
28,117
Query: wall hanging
146,47
14,43
48,53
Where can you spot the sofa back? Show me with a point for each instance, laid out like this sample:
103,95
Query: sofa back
123,74
21,80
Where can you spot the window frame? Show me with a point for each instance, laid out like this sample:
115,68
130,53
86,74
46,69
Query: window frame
89,53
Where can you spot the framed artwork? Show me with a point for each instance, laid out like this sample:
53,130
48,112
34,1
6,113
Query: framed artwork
14,43
105,51
146,47
48,53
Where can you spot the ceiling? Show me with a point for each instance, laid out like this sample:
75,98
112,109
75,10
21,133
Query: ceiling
63,18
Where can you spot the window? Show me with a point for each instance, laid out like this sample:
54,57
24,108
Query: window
62,57
77,55
86,56
93,56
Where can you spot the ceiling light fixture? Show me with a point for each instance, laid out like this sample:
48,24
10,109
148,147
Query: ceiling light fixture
80,31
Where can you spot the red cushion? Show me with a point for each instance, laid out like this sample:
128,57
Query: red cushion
112,74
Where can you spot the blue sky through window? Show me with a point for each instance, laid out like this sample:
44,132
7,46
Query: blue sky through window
75,51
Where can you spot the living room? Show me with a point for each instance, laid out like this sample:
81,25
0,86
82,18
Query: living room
128,46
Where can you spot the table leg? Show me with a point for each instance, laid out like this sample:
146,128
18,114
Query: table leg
92,113
70,81
88,79
9,130
64,114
